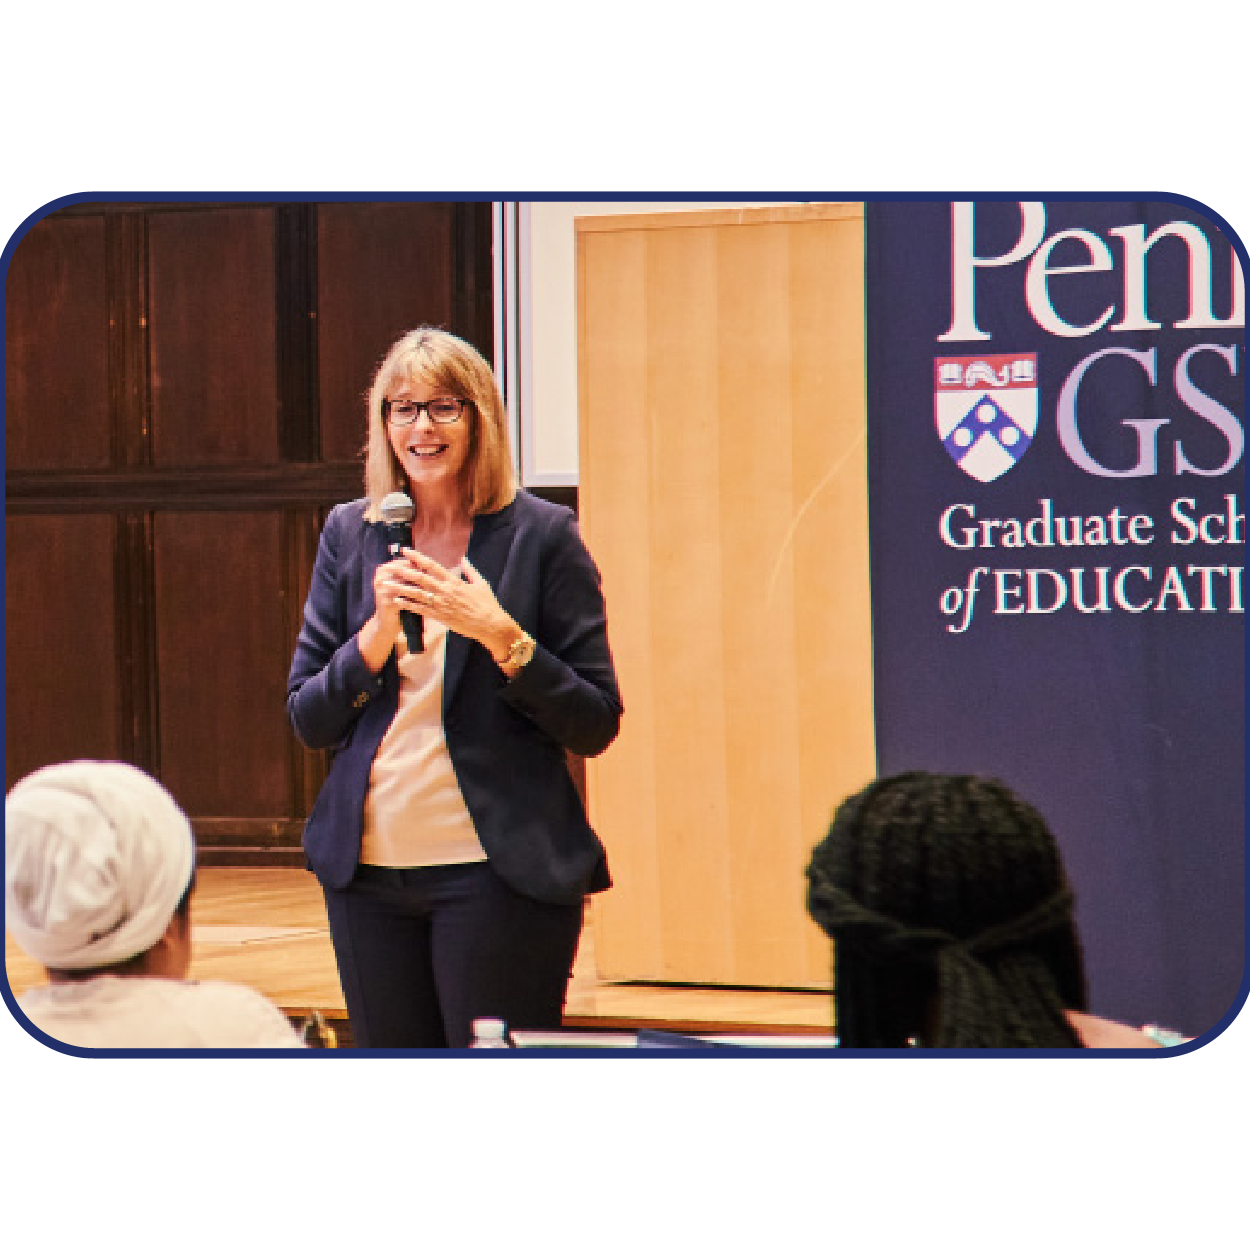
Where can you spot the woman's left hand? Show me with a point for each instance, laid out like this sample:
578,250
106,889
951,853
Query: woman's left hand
463,600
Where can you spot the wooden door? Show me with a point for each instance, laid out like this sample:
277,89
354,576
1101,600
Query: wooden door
724,494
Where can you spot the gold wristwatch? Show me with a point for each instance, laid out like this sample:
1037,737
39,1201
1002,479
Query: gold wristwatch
519,655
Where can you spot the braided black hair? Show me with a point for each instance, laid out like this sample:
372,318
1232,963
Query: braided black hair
951,917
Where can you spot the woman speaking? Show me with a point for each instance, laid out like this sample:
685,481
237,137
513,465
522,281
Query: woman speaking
448,680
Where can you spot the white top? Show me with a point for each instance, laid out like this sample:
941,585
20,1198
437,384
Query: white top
140,1012
415,816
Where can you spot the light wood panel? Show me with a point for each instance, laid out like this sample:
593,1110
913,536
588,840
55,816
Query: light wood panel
724,495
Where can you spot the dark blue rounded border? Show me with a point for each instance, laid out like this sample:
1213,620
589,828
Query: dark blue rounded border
670,1052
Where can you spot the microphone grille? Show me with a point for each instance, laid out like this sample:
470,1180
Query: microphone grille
397,508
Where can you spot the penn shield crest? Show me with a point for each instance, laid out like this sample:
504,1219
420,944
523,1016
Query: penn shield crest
985,408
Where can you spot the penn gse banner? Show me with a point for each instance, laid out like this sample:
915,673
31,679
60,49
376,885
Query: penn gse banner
1057,516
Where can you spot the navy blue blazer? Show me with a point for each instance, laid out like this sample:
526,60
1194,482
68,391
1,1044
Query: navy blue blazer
506,738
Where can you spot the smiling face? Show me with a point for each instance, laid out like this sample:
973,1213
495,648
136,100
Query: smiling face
430,363
432,457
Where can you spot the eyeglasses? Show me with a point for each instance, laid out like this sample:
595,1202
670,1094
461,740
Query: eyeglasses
406,411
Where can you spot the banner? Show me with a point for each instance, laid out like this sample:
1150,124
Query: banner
1057,515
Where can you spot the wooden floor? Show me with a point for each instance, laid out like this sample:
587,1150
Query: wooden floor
266,927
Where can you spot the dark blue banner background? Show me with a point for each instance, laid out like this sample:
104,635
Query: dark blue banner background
1126,727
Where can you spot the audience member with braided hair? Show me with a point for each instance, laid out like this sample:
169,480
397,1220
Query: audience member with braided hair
952,921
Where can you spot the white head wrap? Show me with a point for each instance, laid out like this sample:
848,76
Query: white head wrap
96,859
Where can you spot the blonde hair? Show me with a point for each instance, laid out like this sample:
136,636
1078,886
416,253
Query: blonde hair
433,357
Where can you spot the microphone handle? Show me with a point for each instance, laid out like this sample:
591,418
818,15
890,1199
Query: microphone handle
398,536
414,629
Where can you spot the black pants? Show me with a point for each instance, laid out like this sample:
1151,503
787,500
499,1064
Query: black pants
422,952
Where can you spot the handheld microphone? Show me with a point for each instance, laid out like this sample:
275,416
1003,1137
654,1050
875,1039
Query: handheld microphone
397,512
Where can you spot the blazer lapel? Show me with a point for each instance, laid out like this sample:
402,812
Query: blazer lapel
489,543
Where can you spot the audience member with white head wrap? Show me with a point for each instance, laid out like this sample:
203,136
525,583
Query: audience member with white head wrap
99,865
98,857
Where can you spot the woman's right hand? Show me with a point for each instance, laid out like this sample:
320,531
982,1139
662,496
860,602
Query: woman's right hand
379,633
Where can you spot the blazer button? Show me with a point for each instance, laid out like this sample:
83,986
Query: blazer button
360,700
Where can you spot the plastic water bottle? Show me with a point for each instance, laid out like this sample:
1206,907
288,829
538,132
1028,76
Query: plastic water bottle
490,1034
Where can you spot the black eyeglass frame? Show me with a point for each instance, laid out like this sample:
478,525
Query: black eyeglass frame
419,407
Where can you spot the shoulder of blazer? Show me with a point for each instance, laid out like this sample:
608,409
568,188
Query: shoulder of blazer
530,511
348,516
346,528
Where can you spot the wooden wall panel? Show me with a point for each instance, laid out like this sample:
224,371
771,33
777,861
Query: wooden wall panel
223,648
168,475
724,495
382,269
832,635
56,348
61,688
212,334
612,298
